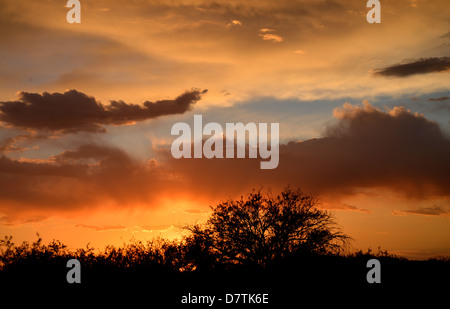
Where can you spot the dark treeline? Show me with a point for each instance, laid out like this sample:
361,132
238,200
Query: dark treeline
282,245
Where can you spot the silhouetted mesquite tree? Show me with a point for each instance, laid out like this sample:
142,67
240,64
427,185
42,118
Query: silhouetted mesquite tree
260,229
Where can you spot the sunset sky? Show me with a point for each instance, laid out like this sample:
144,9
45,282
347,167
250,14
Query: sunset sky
86,112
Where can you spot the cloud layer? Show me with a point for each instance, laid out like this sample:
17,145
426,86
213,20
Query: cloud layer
74,111
419,66
367,148
432,210
217,44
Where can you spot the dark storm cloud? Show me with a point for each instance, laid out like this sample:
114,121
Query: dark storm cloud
367,148
74,111
419,66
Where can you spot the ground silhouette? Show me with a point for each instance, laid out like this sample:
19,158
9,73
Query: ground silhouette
283,246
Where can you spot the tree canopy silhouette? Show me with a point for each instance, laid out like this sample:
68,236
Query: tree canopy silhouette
262,228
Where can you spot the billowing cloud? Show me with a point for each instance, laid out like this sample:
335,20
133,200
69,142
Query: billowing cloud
366,149
419,66
88,176
74,111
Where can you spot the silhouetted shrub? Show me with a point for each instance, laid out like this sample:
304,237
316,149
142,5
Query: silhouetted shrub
261,229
